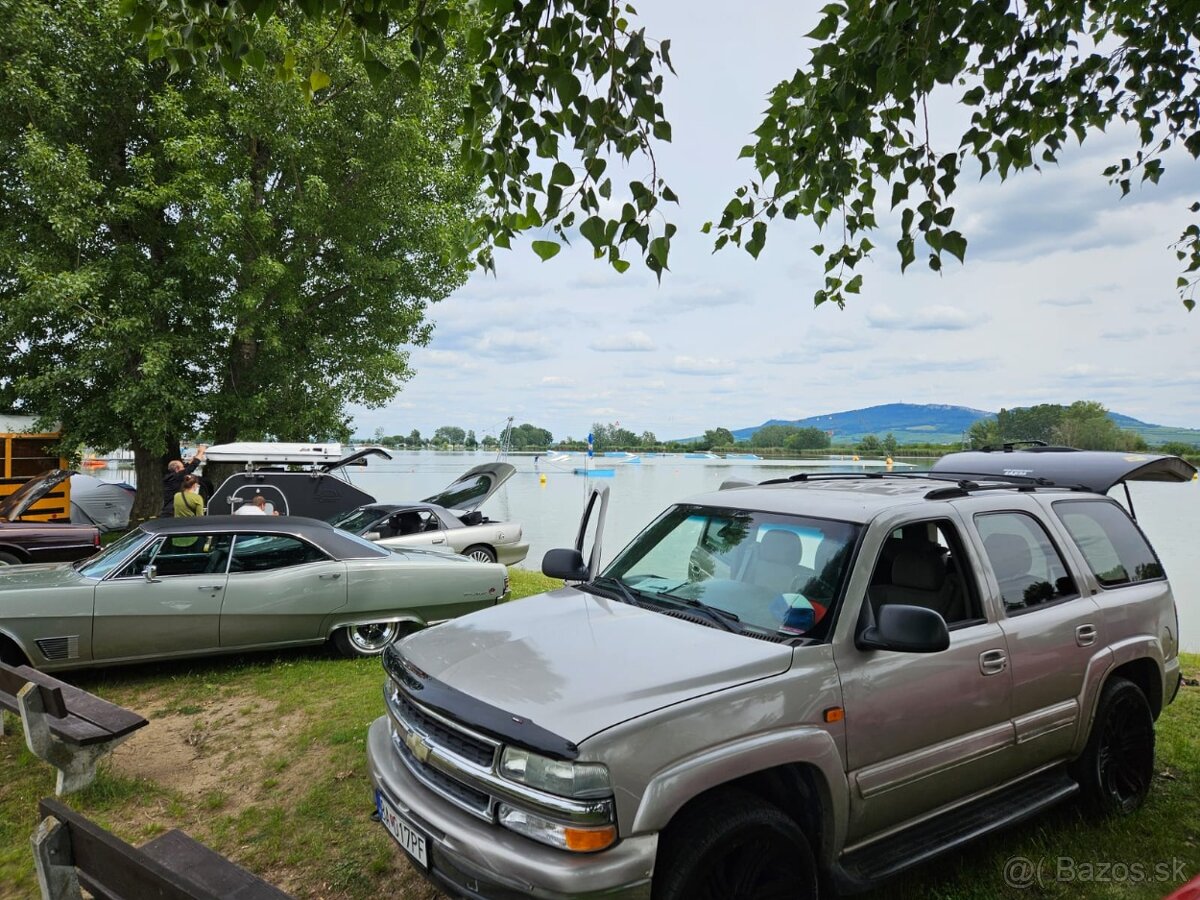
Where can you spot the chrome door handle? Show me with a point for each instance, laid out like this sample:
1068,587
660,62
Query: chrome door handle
993,662
210,587
330,576
1085,635
439,540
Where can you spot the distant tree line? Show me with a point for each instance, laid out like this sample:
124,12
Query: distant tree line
1084,424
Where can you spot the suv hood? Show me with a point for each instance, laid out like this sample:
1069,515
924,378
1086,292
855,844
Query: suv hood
473,487
18,502
576,664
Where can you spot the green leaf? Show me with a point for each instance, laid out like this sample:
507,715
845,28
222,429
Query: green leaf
593,229
662,130
377,72
566,85
546,249
318,80
562,174
621,265
955,244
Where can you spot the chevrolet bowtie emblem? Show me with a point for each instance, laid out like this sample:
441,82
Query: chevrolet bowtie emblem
417,746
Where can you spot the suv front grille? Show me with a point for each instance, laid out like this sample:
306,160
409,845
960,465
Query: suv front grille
457,742
450,760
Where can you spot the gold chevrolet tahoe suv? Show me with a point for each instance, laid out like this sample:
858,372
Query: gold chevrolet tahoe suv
790,689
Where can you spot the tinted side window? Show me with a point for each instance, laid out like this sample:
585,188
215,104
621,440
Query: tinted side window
1027,565
263,552
1114,549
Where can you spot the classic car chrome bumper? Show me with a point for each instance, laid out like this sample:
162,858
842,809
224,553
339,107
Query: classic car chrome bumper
472,858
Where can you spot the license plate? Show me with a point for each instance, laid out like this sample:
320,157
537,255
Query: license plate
405,833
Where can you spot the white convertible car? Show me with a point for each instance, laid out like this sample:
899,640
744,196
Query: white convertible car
449,519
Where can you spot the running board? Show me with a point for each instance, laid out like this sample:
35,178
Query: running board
865,867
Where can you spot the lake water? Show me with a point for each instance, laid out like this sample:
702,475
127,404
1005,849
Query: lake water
549,507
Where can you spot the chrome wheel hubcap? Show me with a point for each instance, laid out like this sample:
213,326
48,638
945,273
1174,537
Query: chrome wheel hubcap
374,637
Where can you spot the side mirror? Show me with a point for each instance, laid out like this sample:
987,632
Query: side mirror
150,573
907,629
369,536
566,563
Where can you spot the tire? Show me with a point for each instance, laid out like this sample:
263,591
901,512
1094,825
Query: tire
7,559
362,641
480,553
1117,766
734,846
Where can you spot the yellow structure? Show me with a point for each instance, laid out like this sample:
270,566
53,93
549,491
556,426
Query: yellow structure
24,454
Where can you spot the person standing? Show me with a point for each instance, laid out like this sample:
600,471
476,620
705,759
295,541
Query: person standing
188,502
177,471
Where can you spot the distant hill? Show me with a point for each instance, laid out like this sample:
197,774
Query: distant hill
915,423
911,423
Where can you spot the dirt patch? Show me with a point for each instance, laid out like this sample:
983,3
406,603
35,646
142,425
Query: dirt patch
220,753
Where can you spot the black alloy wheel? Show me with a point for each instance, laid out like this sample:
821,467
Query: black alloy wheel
1117,767
735,846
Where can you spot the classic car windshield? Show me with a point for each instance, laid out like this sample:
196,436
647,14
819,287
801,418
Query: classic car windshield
356,520
774,572
111,556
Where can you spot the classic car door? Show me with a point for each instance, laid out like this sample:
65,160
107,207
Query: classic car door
166,600
280,588
923,729
413,527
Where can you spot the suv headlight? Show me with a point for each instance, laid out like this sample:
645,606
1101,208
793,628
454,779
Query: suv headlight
554,776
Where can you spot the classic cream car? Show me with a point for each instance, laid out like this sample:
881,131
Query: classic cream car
219,584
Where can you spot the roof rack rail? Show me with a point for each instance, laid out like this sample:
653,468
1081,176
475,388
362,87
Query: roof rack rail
814,476
966,487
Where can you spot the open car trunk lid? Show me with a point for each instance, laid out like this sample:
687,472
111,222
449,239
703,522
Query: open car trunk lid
18,502
473,487
1096,470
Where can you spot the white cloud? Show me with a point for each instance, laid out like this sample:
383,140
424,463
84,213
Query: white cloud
558,381
630,342
711,365
929,318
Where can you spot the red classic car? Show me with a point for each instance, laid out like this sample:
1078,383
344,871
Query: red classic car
33,542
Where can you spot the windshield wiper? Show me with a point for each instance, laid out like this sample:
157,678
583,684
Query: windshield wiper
716,615
698,604
617,585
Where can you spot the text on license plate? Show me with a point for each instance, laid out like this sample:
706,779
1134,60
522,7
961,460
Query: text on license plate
406,835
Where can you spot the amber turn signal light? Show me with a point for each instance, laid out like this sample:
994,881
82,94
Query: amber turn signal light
586,840
835,714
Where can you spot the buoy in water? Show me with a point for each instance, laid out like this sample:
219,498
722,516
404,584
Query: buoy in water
542,478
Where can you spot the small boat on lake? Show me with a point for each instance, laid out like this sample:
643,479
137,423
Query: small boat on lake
704,455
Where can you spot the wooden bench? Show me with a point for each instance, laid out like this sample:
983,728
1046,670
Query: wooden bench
73,852
65,726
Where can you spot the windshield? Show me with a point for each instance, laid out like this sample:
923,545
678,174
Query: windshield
356,521
111,556
775,573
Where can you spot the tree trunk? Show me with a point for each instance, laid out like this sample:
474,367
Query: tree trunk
149,469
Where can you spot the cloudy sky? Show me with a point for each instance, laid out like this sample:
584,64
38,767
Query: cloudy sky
1067,293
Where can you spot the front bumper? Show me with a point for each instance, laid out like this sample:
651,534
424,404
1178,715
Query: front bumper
470,858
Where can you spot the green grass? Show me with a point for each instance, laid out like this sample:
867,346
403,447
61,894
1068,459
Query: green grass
262,758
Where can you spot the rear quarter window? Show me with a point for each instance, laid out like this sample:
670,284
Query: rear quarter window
1115,550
